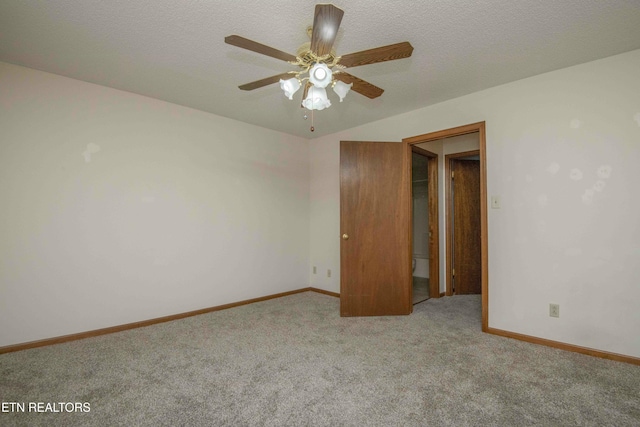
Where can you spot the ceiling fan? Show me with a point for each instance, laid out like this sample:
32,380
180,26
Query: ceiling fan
319,60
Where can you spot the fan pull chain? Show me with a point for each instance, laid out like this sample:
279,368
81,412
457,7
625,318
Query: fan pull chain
305,114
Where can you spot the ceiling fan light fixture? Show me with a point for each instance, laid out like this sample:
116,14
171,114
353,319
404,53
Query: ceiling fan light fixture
341,89
316,59
320,75
290,86
316,99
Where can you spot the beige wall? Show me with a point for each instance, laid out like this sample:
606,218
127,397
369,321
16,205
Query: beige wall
118,208
563,150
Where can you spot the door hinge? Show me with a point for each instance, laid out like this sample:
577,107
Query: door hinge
453,174
453,273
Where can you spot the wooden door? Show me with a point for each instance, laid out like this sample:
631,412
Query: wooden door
466,241
375,257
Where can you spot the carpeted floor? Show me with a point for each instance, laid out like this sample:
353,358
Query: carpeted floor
293,361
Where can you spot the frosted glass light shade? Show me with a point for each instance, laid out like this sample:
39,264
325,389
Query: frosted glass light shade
290,86
320,75
342,89
316,99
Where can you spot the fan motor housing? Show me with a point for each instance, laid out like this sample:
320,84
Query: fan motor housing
308,58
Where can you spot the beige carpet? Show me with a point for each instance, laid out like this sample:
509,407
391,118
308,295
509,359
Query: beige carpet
293,361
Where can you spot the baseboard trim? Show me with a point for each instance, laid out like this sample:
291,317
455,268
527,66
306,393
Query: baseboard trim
322,291
110,330
143,323
567,347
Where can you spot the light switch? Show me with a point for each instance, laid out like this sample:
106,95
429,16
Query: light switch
495,202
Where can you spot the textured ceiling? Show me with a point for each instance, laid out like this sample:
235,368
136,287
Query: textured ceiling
174,50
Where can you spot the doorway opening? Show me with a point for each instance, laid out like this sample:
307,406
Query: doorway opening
424,197
445,138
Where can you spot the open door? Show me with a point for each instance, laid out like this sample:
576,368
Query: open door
375,254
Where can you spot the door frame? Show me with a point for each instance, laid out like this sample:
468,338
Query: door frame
463,130
447,214
434,238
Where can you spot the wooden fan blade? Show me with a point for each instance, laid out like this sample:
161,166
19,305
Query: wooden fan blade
264,82
379,54
359,85
326,22
258,48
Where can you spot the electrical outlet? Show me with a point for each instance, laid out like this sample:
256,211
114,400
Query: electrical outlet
314,269
328,273
554,310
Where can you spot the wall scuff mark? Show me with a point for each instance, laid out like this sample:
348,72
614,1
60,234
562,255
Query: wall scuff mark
91,149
